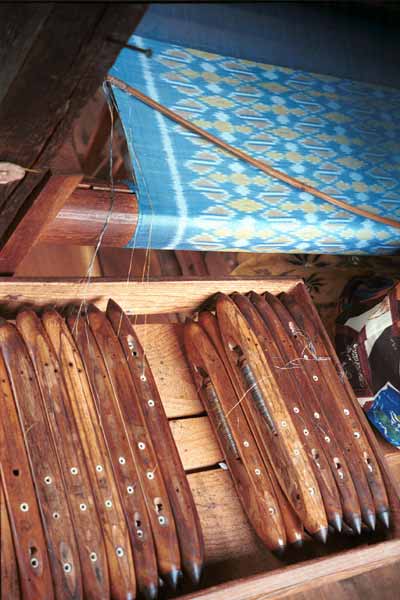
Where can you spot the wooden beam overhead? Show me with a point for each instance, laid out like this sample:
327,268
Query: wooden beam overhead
57,58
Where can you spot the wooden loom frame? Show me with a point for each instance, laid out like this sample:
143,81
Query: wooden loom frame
231,549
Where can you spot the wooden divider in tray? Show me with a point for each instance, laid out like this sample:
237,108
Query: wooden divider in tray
237,567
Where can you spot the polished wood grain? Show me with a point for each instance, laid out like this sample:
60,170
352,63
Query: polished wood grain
35,103
92,552
87,211
149,470
293,526
302,417
44,260
343,403
191,263
134,297
233,553
251,478
166,356
186,518
46,472
349,477
119,445
293,469
9,578
208,321
281,583
23,509
392,486
198,447
83,410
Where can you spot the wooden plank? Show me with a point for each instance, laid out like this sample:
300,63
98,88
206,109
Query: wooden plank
65,66
231,545
82,218
220,263
165,352
130,264
45,260
196,442
154,297
29,110
26,228
199,448
36,101
20,23
124,262
304,577
391,455
191,263
377,584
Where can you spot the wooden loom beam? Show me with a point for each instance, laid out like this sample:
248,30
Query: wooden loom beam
66,211
83,216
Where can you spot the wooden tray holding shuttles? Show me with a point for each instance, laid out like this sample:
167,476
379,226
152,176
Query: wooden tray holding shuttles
236,563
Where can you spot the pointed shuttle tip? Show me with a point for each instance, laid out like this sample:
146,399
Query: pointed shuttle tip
355,524
195,572
337,522
279,551
112,304
297,544
90,309
113,310
370,520
150,592
384,517
173,578
321,535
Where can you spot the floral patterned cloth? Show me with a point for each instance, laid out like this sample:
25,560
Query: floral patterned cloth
325,276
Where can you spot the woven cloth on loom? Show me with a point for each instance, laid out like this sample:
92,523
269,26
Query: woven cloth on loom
337,135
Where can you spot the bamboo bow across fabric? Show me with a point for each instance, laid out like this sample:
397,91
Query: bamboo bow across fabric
336,135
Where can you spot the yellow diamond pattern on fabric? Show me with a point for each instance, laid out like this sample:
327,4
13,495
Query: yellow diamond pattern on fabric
340,136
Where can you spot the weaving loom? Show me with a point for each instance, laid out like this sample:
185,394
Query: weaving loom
196,436
336,135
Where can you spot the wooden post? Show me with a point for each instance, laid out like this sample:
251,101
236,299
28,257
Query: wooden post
41,209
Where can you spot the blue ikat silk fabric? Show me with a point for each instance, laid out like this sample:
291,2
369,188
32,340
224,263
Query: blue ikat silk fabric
340,136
